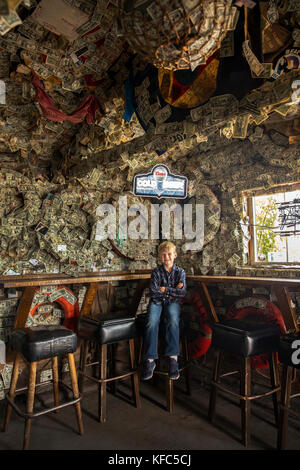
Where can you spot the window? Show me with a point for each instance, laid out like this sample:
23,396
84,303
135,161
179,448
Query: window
271,225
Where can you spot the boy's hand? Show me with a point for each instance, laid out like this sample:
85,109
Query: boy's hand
180,285
162,289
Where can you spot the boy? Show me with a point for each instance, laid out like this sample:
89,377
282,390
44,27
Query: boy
167,288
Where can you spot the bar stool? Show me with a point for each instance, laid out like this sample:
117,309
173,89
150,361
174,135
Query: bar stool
105,330
34,345
285,355
245,339
183,358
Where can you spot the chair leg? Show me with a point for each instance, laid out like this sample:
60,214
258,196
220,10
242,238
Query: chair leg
30,403
82,362
75,389
285,402
245,404
213,392
55,381
102,385
134,377
274,383
12,390
170,394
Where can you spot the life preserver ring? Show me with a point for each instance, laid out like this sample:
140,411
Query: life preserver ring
68,301
263,309
199,332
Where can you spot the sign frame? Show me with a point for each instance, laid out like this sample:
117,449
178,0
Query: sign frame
155,179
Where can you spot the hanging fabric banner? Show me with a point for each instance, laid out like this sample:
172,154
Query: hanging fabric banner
87,110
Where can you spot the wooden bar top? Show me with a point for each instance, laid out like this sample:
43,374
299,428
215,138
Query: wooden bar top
258,281
27,280
108,276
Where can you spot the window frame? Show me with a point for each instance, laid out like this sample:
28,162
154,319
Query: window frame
249,195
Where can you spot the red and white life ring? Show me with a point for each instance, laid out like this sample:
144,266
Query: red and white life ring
69,304
200,339
260,309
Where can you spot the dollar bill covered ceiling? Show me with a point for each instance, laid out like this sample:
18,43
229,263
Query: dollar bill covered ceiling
92,92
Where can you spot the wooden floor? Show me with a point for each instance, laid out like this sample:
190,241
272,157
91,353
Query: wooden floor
151,427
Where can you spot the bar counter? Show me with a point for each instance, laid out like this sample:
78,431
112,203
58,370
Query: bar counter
282,288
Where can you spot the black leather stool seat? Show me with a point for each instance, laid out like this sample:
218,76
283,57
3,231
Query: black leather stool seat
107,329
286,350
40,342
288,356
245,338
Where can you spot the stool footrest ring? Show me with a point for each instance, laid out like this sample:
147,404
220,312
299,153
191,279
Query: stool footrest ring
23,414
164,372
109,379
242,397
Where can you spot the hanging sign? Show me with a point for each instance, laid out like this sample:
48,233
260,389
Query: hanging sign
160,183
289,216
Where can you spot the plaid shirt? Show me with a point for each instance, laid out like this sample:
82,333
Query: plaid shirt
161,278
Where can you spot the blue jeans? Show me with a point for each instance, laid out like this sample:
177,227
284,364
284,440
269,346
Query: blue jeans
172,313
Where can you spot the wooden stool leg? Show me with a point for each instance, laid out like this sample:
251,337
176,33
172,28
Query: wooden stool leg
75,389
102,385
170,394
82,362
285,402
274,382
187,370
13,384
141,345
30,403
113,384
245,404
134,377
55,381
213,392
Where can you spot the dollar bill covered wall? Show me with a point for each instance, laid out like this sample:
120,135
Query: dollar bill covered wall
81,114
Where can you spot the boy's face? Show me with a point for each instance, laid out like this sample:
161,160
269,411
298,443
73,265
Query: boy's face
167,257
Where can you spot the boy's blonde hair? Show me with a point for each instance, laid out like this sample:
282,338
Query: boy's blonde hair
165,246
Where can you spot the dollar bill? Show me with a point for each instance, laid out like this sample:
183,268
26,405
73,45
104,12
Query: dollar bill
227,45
266,71
260,118
67,295
163,114
4,27
190,4
197,113
240,126
169,128
296,37
272,13
4,9
231,19
251,58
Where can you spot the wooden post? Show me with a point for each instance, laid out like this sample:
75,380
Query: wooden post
24,307
89,299
287,309
208,303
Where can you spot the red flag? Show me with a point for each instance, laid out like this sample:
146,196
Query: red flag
87,110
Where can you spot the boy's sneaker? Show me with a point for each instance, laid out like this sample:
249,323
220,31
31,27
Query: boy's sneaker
148,369
173,369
